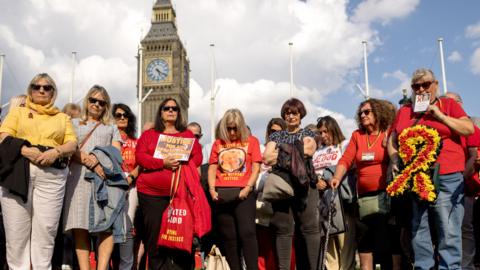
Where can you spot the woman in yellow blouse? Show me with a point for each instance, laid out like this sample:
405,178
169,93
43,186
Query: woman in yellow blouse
31,226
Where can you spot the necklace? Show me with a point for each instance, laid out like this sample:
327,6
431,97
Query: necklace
375,141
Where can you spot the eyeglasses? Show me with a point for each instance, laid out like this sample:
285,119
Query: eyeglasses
229,129
291,114
99,102
168,108
198,136
424,85
37,87
121,115
366,112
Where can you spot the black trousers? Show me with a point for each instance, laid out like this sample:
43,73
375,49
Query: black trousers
285,220
159,258
236,225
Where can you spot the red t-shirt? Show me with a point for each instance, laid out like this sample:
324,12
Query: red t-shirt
235,161
128,153
452,155
370,158
154,179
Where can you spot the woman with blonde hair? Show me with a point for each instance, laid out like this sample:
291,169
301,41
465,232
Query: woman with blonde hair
31,218
234,166
95,128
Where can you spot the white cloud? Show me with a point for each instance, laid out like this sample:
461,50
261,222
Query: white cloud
473,31
383,10
455,57
251,51
475,62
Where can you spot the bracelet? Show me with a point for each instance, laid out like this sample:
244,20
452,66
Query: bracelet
58,151
250,186
211,188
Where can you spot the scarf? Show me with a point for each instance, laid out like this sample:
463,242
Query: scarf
48,109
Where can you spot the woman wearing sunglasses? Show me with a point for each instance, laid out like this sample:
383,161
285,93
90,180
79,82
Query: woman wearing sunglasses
154,183
234,166
31,222
127,125
94,128
367,150
447,117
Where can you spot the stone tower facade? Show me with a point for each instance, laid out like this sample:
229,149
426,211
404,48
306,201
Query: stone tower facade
165,66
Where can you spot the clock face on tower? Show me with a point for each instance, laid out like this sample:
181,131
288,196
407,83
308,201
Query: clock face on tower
157,70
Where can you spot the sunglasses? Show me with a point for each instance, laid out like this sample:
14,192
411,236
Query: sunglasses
168,108
99,102
291,114
198,136
229,129
37,87
366,112
424,85
121,115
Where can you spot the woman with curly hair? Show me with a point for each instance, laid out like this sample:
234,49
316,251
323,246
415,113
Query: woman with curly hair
370,157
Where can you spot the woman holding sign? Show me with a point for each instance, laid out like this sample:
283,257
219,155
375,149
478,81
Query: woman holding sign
445,122
234,166
154,181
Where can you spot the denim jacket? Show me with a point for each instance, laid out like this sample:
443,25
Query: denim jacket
108,196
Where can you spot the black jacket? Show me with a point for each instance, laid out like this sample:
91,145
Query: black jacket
14,168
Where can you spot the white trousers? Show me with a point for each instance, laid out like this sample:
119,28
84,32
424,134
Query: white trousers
31,227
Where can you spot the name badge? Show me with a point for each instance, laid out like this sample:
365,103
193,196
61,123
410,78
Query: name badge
368,156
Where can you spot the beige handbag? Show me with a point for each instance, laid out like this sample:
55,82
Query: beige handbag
216,261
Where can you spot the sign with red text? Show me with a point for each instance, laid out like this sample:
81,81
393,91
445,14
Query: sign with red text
177,147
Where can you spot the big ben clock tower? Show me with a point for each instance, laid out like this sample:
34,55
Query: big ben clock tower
165,67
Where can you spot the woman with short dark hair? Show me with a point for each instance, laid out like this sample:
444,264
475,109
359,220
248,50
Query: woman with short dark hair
300,211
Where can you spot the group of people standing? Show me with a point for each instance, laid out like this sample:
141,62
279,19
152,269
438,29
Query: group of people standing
91,175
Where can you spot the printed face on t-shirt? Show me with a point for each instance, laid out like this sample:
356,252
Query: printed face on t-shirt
232,160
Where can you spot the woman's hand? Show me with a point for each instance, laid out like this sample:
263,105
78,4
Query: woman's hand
31,153
88,160
47,158
213,194
244,192
98,169
334,183
170,163
321,184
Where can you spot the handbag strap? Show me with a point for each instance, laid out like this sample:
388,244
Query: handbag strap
84,141
174,183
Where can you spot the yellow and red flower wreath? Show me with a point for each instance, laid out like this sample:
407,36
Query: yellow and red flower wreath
418,148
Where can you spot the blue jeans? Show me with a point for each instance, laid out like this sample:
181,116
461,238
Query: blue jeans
447,216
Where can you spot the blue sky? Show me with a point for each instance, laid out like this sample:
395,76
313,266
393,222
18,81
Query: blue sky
251,50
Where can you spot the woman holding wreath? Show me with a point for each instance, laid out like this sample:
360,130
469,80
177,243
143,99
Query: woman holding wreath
445,205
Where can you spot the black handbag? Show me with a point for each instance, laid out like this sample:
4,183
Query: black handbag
228,194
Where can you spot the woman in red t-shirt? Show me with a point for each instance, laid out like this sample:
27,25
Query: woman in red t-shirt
123,255
234,166
367,150
154,182
451,122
